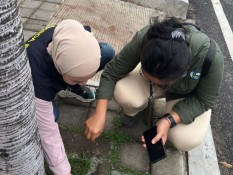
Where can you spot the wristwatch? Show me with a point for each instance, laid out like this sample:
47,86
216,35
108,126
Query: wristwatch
171,120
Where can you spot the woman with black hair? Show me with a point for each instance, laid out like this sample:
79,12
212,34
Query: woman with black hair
168,56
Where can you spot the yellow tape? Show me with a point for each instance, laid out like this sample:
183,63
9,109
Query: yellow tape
37,35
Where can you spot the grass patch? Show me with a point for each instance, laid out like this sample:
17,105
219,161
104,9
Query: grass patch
80,164
47,170
117,123
114,159
114,156
71,129
117,137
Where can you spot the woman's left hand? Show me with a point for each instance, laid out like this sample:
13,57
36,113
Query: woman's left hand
163,126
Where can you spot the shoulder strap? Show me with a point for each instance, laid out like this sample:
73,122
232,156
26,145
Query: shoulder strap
209,58
210,54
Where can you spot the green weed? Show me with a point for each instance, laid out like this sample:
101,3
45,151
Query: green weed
117,137
80,164
71,129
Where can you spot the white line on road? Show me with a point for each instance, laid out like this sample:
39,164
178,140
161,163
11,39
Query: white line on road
224,24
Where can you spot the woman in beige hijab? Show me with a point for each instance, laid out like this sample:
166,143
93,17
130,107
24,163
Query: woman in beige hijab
63,56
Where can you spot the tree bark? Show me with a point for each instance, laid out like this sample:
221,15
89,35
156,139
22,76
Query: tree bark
20,147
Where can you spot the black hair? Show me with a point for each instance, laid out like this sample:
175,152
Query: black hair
162,55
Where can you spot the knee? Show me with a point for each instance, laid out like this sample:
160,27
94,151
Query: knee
107,50
187,137
107,53
187,145
185,140
126,98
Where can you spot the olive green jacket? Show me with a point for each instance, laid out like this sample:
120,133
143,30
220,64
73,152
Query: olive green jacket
199,93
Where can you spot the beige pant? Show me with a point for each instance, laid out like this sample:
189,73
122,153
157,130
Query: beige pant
132,93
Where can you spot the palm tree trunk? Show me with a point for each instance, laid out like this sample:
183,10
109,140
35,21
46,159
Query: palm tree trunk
20,148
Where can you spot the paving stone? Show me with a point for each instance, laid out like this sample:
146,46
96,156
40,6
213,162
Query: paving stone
135,157
98,148
174,164
24,20
42,15
105,167
94,165
109,119
98,151
35,25
38,22
19,2
49,6
28,34
26,12
31,4
56,1
112,106
137,131
159,107
74,101
114,172
53,1
100,14
70,115
176,8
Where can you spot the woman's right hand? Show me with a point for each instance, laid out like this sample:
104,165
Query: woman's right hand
95,124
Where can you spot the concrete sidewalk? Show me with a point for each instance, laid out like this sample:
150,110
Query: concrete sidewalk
116,151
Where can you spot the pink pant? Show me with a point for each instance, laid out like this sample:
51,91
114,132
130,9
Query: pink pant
51,140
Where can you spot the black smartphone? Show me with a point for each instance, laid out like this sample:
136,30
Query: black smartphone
156,151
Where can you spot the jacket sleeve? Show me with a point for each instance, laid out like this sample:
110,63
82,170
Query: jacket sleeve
205,94
123,63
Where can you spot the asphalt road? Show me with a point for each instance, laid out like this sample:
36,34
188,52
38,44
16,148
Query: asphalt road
228,7
222,117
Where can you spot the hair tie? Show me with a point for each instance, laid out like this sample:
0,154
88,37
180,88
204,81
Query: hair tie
178,34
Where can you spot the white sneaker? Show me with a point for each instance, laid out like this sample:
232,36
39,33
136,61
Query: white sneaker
84,93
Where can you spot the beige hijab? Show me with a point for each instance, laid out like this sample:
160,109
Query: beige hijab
75,51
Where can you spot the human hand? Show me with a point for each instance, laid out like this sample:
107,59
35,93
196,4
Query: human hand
163,126
94,126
